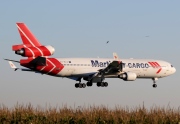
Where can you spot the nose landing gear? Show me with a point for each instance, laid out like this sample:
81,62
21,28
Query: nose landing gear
154,81
154,85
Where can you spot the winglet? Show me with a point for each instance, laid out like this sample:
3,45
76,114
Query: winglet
12,65
115,56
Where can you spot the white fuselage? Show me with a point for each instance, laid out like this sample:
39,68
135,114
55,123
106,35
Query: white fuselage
75,67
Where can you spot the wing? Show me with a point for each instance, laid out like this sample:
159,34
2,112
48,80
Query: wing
114,67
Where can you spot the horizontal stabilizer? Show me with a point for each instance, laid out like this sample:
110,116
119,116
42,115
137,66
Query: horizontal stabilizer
12,60
22,69
12,65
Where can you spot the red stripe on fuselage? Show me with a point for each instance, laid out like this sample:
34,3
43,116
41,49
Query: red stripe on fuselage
58,66
159,71
151,63
156,65
159,66
53,67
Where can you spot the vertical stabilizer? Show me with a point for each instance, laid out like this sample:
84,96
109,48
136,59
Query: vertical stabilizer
27,37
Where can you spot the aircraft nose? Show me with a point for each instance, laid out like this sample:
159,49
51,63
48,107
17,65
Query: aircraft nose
173,70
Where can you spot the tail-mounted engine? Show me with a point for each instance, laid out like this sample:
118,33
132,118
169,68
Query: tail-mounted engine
34,51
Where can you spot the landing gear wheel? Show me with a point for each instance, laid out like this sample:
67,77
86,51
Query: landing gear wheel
98,84
89,84
102,84
83,85
80,85
154,81
76,85
154,85
105,84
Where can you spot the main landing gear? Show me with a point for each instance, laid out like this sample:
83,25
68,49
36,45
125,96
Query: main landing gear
102,84
83,85
154,82
80,85
89,84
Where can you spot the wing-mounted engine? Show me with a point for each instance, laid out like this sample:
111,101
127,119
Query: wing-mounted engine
128,76
26,51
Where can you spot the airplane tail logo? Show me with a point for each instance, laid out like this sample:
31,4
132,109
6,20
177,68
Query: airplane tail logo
27,37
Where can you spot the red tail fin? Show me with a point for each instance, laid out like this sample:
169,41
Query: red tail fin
27,37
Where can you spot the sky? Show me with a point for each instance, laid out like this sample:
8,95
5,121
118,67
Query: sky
134,29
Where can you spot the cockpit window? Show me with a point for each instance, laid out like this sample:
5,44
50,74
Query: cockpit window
171,65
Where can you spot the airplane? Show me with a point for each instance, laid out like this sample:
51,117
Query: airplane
92,70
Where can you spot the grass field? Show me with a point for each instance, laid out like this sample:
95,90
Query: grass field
88,115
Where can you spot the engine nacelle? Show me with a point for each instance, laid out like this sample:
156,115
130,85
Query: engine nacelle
128,76
36,51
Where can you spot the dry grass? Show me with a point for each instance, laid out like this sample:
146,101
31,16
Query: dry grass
88,115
